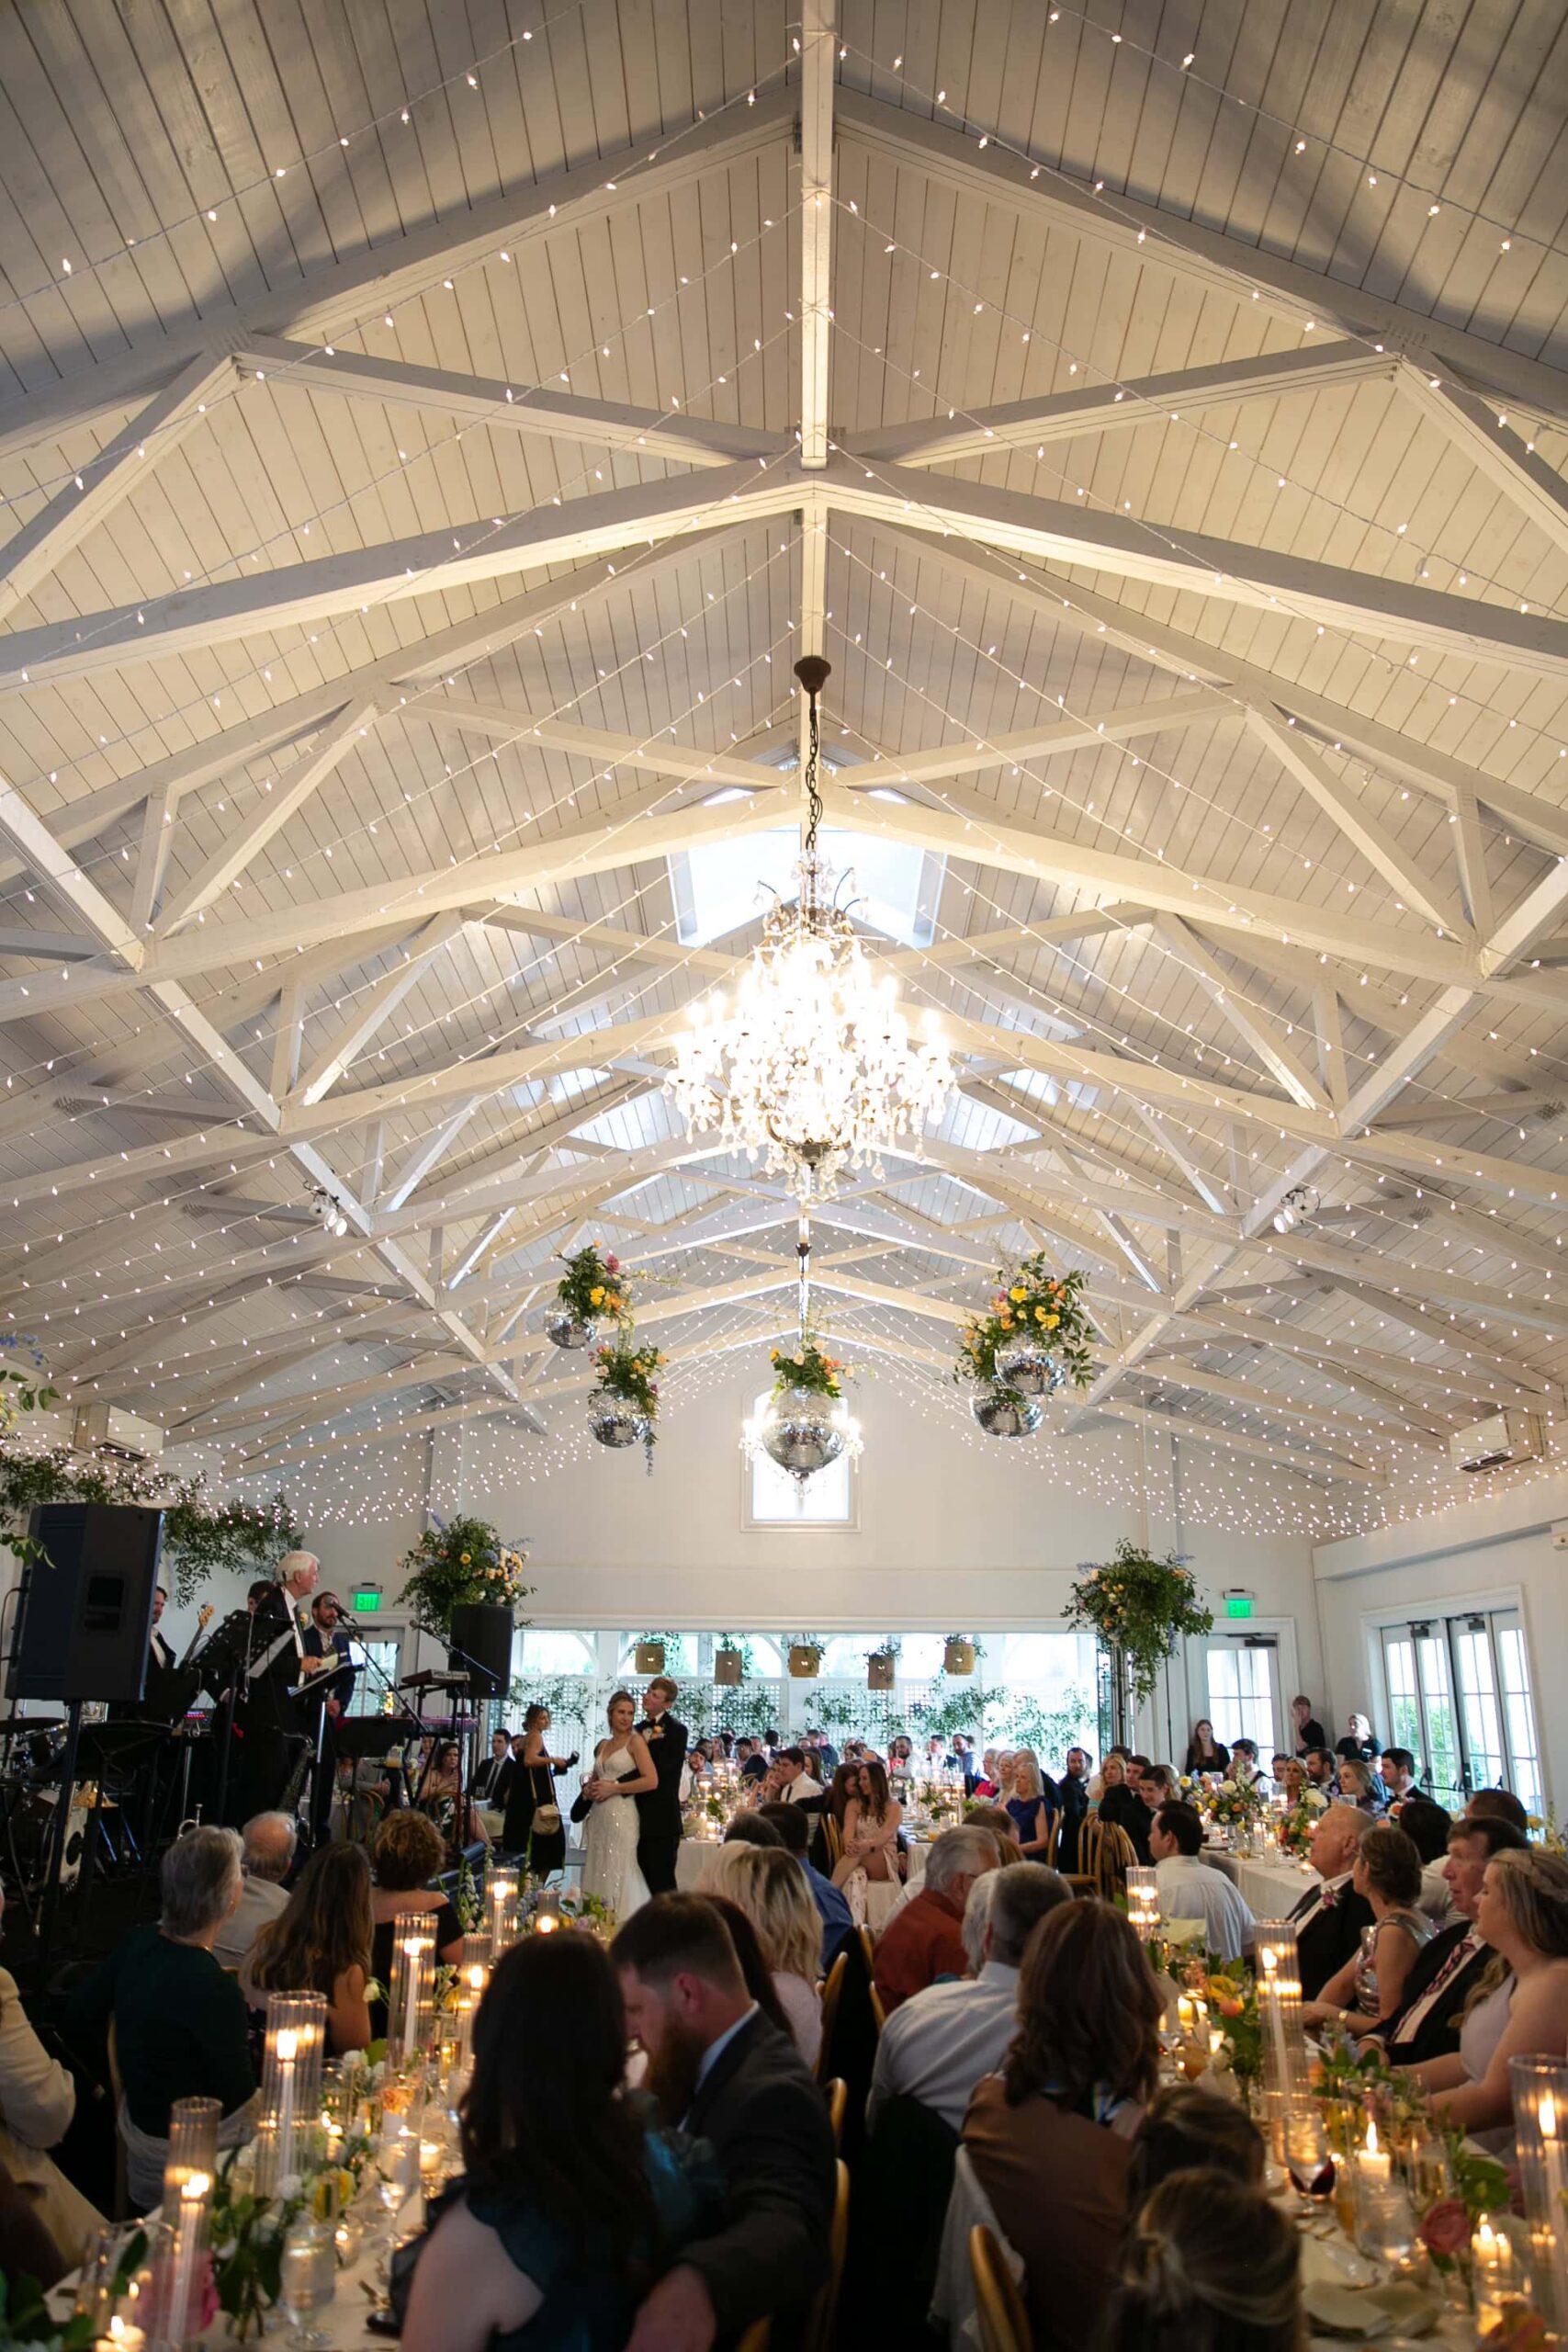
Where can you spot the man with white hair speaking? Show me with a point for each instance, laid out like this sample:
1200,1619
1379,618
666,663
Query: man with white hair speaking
272,1728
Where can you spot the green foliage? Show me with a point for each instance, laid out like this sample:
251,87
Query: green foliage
593,1289
1049,1731
629,1375
1030,1303
455,1566
1139,1607
953,1704
805,1367
200,1540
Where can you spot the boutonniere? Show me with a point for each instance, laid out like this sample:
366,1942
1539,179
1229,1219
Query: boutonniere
653,1732
1330,1896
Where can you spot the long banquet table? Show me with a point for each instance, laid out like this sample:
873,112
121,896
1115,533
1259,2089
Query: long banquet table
1270,1885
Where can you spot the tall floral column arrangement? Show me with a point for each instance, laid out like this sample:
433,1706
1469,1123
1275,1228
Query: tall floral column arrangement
1138,1608
456,1566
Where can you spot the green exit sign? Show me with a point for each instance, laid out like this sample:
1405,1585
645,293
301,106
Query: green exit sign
367,1603
1238,1604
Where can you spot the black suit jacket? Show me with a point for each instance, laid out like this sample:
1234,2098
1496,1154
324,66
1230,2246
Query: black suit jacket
1437,2036
1130,1813
766,2119
493,1788
659,1810
1329,1937
1073,1796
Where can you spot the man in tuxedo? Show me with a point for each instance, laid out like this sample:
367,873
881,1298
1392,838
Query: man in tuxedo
325,1642
721,2072
1072,1792
273,1730
493,1782
1447,1968
1330,1916
659,1810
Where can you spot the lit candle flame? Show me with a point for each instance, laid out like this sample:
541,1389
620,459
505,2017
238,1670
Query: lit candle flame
1548,2115
288,2046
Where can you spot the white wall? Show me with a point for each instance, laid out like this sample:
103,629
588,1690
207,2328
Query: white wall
1490,1550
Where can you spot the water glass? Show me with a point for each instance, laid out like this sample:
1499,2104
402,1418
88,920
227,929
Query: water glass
308,2282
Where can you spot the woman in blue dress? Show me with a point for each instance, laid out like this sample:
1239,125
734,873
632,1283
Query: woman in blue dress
572,2202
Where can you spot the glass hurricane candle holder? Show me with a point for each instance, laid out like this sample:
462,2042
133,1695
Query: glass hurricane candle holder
500,1911
292,2063
1143,1900
1279,1969
413,2013
193,2145
1540,2137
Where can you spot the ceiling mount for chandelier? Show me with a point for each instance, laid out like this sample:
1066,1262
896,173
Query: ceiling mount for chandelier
814,1067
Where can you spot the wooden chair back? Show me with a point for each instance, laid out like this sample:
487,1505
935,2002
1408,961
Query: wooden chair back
837,2103
832,1993
820,2328
998,2307
117,2092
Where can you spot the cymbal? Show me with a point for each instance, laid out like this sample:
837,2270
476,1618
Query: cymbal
12,1727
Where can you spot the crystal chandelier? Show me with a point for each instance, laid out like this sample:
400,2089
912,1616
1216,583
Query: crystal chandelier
814,1064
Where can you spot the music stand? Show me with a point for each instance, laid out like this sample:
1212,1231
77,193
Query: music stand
316,1689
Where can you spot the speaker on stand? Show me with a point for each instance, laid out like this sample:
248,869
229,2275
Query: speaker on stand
479,1644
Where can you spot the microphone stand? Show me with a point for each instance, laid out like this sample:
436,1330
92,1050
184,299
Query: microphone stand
405,1706
468,1726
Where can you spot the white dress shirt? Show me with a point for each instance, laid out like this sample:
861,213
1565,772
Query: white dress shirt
260,1904
796,1792
1189,1889
939,2044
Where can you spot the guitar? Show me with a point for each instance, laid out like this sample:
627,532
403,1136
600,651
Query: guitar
204,1618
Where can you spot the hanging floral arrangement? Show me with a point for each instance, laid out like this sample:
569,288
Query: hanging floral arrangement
626,1393
1139,1607
200,1539
455,1566
1036,1335
594,1288
804,1367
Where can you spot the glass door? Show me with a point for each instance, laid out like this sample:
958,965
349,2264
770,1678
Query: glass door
1241,1693
1459,1694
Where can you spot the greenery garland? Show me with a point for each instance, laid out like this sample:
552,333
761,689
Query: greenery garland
201,1539
1138,1607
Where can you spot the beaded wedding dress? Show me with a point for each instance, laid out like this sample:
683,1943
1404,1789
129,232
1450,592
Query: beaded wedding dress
609,1839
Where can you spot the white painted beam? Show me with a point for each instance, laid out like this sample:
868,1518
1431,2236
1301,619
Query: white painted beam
1257,1032
374,1008
1498,451
817,66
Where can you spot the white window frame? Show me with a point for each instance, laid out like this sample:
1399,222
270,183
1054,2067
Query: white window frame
1498,1600
752,1525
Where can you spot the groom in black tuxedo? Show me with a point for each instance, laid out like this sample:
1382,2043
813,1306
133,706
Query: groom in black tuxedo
659,1810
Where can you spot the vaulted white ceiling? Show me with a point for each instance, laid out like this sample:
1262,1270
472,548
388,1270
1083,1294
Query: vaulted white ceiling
430,437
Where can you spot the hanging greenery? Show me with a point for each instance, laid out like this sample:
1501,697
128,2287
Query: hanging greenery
1030,1303
805,1367
457,1564
593,1288
200,1539
1138,1607
629,1376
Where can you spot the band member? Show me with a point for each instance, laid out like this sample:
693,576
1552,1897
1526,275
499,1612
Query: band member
660,1809
275,1732
325,1642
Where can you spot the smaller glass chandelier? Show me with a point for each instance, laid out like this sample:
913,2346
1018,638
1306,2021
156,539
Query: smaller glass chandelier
813,1064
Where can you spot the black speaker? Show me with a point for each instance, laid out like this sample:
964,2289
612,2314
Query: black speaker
481,1647
84,1618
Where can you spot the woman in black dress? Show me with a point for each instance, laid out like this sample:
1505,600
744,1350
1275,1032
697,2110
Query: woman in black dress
533,1789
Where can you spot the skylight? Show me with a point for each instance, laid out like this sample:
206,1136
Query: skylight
725,885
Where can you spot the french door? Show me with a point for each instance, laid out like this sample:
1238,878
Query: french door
1460,1699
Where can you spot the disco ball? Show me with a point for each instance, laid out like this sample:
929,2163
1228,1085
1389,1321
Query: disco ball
802,1431
1029,1367
617,1425
1002,1412
563,1329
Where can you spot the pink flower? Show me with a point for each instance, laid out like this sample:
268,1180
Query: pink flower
1445,2227
612,1264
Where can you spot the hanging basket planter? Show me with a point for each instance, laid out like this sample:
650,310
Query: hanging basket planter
804,1661
728,1668
958,1657
881,1670
648,1658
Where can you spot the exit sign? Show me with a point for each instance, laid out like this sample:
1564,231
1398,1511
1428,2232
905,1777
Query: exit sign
1238,1604
366,1600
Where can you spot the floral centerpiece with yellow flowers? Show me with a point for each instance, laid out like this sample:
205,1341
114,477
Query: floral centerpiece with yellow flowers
1030,1303
594,1289
805,1367
454,1565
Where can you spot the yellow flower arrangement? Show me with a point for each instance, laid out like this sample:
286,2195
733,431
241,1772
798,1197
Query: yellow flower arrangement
1030,1299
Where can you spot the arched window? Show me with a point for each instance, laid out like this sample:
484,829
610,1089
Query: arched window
772,1498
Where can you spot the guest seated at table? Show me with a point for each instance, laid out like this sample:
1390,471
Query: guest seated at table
1030,1808
999,1824
1449,1967
1120,1802
1244,1768
940,2044
1184,2287
1290,1774
1185,2127
179,2020
321,1944
269,1841
758,1975
1192,1889
792,1826
1007,1762
871,1822
1359,1786
1204,1752
1100,1782
1396,1769
1322,1771
766,1885
924,1940
572,2201
408,1851
798,1783
1280,1766
1051,2136
440,1796
1424,1824
752,1761
717,2067
1329,1917
1498,1804
1358,1742
38,2099
985,1782
1520,2006
1370,1985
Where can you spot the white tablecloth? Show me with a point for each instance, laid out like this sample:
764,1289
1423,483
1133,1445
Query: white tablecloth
1270,1888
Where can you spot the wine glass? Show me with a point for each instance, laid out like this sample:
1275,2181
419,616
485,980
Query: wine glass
1309,2159
308,2282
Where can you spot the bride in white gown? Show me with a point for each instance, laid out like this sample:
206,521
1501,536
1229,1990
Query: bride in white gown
623,1769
